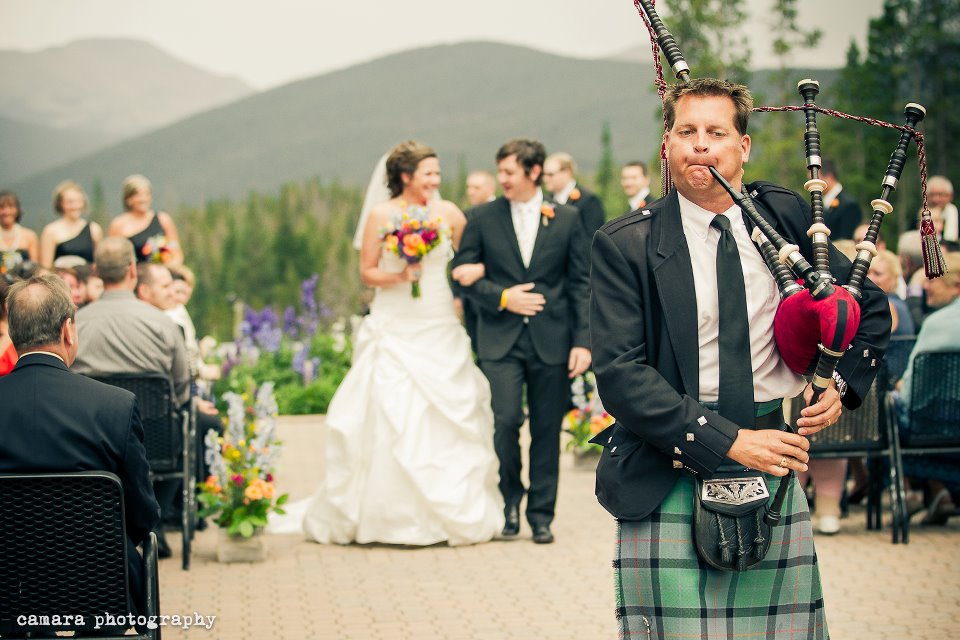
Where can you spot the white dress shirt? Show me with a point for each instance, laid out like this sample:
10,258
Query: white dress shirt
561,197
526,223
831,195
772,378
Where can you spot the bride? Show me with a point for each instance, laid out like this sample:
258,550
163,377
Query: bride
409,442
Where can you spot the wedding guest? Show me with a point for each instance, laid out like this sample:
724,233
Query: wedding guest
17,244
62,421
78,290
938,333
72,234
120,334
559,178
153,233
940,199
841,213
695,381
481,187
635,182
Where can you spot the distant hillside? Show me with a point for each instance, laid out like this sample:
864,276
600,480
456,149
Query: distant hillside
463,99
29,148
100,90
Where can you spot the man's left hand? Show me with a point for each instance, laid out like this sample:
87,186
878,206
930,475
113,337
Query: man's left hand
579,361
822,414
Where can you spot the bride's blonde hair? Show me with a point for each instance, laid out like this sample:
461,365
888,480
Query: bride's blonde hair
404,158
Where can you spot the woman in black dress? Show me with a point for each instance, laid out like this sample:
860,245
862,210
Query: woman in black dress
17,244
153,233
72,234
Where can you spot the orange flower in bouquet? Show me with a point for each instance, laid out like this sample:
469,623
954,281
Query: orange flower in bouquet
588,418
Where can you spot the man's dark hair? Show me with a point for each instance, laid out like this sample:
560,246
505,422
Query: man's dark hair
36,311
830,168
636,163
710,87
530,153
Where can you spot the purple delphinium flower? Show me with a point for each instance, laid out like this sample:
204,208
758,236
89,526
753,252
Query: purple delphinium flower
290,325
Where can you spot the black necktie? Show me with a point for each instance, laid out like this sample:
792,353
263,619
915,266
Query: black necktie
736,370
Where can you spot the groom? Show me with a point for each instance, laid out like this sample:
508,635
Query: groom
532,328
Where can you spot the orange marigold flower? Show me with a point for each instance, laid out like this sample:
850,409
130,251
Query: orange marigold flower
575,194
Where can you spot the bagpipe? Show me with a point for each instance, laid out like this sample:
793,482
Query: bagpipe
816,320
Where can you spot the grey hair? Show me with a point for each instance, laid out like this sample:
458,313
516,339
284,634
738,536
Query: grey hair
113,258
36,311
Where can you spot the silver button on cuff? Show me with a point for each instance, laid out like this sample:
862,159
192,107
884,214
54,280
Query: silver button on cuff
677,464
690,437
677,451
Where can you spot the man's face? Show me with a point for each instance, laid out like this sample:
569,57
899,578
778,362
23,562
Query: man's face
555,178
159,292
938,195
941,291
479,189
516,185
704,135
633,180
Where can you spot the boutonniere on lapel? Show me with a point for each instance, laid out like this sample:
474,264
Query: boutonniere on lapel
547,213
574,195
835,203
642,203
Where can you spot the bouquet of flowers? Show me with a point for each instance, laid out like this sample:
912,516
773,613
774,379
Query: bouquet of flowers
414,235
240,487
158,249
587,418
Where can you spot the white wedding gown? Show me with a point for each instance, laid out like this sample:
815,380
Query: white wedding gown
409,442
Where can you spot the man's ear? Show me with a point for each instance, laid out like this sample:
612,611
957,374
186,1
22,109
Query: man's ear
68,332
535,172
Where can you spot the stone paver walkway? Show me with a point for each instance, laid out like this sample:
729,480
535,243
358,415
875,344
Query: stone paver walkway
515,589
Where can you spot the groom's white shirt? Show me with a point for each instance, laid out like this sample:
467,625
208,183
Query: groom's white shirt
526,218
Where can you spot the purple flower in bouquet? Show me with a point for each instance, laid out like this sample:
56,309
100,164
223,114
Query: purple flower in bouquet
290,324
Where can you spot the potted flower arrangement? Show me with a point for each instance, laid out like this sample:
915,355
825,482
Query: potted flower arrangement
586,419
240,490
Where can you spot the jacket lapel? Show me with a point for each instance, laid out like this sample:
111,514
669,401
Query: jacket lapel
504,228
542,232
674,275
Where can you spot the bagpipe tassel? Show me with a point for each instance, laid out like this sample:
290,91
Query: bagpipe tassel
934,265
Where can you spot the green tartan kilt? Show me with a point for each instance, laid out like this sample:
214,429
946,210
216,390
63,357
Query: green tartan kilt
665,591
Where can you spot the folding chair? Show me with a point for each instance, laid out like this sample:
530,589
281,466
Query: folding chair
931,425
865,432
169,438
64,552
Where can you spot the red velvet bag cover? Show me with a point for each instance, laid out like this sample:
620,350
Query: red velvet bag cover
802,323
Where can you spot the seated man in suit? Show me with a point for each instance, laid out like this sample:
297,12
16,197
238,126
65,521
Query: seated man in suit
120,334
55,420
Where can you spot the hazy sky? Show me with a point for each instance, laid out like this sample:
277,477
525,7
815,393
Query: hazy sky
270,42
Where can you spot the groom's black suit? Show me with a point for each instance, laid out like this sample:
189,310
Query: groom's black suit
515,350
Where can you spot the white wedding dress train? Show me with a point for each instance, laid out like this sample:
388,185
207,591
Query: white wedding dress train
409,440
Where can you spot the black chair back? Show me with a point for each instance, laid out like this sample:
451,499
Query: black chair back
159,414
857,432
934,414
62,548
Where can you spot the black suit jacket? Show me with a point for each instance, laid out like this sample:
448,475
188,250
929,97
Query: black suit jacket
559,268
592,215
643,320
55,420
843,219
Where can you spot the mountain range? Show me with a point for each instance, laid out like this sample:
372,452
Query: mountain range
64,102
463,99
